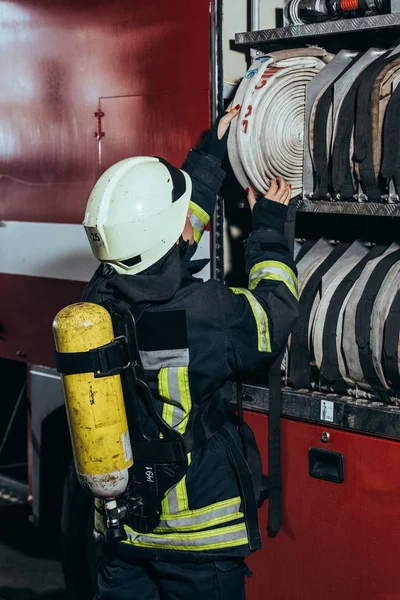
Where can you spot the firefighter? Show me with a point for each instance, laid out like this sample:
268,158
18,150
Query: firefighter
144,221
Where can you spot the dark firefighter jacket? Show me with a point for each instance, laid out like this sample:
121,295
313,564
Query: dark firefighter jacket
195,338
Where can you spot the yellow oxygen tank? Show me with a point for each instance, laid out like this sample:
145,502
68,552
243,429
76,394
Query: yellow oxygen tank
95,405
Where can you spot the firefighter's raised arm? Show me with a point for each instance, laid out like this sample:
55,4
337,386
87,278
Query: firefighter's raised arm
204,167
258,320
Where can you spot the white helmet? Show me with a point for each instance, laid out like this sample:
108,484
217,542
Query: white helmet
136,212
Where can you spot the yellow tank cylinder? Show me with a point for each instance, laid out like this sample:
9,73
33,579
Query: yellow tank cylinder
95,406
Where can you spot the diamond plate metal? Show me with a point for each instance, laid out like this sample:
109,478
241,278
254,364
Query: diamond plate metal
356,415
318,29
349,208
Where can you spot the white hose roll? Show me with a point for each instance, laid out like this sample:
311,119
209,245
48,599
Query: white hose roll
336,274
380,312
349,342
267,138
306,267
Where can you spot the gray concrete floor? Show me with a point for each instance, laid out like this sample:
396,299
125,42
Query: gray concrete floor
30,568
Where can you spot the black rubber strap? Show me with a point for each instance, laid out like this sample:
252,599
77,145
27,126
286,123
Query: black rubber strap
299,363
390,354
158,451
110,359
320,151
363,322
330,363
275,505
246,485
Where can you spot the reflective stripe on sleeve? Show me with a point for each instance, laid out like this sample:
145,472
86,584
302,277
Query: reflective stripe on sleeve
273,270
261,318
199,220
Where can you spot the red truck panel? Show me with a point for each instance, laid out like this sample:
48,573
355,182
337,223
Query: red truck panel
148,61
338,541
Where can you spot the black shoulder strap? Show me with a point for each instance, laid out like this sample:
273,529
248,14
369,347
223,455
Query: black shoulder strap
363,320
299,363
390,354
330,364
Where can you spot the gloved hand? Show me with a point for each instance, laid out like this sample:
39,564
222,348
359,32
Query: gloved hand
270,210
216,141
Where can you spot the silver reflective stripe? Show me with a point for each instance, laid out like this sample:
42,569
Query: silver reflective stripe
174,388
266,270
199,519
173,503
224,536
197,223
154,360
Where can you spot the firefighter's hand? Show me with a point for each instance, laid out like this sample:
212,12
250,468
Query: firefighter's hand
279,191
225,121
216,142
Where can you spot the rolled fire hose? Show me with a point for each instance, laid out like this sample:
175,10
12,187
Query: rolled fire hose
353,255
380,313
267,139
354,373
307,266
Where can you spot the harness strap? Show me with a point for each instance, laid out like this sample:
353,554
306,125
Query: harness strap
110,359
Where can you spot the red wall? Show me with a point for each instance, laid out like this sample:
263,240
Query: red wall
151,58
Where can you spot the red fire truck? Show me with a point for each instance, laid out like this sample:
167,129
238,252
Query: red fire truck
84,85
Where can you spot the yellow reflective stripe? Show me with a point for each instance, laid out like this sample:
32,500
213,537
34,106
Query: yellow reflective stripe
235,516
185,398
173,387
208,509
199,212
199,220
276,271
164,392
197,234
223,537
261,318
203,518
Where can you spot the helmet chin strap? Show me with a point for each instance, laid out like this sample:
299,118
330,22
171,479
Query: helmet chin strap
183,246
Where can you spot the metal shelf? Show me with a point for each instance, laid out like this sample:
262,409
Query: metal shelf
363,416
304,33
349,208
